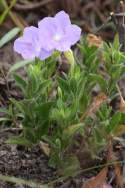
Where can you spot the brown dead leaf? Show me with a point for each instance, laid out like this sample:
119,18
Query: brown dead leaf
122,101
18,20
96,103
122,105
45,148
98,181
93,40
120,129
119,178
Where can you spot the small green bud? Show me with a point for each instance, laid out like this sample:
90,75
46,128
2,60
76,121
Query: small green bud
70,57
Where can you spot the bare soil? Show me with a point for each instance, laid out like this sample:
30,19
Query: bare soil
21,162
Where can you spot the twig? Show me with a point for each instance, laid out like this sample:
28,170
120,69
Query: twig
31,6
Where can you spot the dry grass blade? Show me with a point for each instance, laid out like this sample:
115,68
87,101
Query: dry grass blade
19,181
18,20
7,9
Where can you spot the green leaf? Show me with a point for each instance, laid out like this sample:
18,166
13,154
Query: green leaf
73,85
114,122
98,79
19,141
116,43
42,129
19,65
20,82
30,132
3,110
64,85
4,119
83,100
70,165
44,85
19,105
122,120
43,110
90,59
73,129
9,36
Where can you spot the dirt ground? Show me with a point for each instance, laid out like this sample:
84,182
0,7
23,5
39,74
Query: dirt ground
29,164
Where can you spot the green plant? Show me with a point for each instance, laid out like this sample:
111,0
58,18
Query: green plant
57,107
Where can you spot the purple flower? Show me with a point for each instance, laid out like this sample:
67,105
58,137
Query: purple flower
57,33
53,33
29,45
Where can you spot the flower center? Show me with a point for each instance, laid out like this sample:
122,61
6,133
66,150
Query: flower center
57,37
38,49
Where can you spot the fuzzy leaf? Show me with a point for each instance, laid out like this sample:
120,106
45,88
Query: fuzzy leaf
20,82
9,36
114,122
19,65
